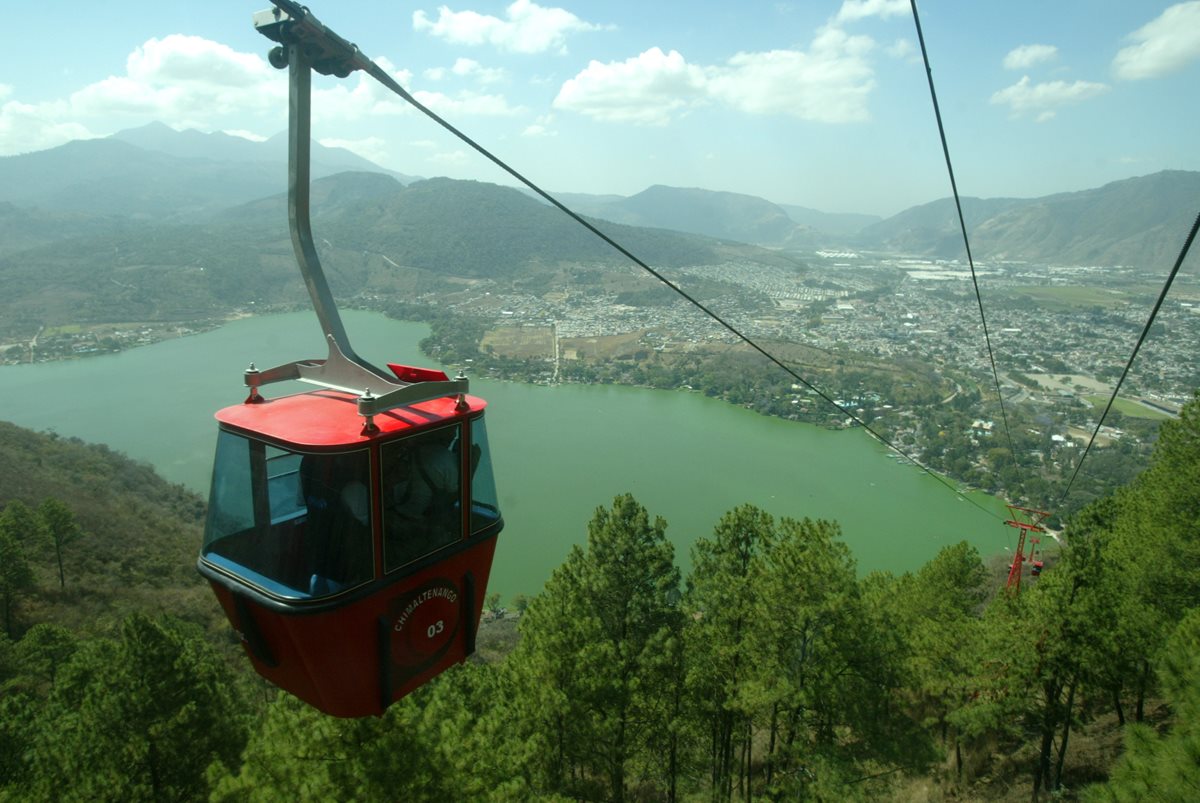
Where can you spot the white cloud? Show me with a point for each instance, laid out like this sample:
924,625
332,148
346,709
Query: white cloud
175,77
360,96
853,10
190,82
364,98
1043,100
467,68
250,135
178,58
830,84
902,49
644,89
473,69
27,127
540,127
527,27
5,91
1026,56
368,98
1163,45
183,81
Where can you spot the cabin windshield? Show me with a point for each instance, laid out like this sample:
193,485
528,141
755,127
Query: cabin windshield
422,508
485,509
296,525
422,480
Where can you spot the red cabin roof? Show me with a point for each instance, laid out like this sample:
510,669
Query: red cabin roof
329,418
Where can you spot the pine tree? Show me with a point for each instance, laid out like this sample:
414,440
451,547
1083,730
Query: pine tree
58,522
549,715
631,586
18,527
596,655
139,717
937,612
831,672
1165,767
724,611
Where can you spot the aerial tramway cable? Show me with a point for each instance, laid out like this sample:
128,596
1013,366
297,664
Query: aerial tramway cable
1183,252
349,54
937,112
979,298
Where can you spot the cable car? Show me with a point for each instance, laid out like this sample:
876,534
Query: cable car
350,528
352,561
1036,564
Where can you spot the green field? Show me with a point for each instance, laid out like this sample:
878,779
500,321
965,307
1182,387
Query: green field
1130,408
1067,297
68,329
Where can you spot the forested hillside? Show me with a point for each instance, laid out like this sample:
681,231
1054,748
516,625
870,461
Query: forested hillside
773,669
375,236
102,535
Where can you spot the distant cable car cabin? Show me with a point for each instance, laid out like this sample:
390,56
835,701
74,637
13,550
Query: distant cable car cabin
1033,525
351,528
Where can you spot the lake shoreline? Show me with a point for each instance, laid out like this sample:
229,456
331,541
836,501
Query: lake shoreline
148,333
559,452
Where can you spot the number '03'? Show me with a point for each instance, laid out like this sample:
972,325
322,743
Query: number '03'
435,628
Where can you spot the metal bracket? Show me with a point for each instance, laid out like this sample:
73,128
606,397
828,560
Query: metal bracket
290,23
377,394
306,45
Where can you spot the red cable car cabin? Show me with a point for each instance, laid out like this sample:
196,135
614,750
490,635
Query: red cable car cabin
349,537
352,560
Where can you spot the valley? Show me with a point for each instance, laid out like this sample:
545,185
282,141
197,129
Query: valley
877,318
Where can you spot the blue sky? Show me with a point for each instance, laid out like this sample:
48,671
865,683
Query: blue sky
818,103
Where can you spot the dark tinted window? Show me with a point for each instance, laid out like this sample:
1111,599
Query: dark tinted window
294,524
422,511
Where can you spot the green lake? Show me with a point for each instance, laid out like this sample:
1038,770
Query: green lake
558,452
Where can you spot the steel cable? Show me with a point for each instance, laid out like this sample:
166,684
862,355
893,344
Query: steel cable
360,61
937,112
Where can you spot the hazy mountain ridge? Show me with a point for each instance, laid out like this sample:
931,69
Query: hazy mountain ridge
721,214
842,224
1138,221
157,173
463,228
374,235
724,215
932,228
488,230
220,146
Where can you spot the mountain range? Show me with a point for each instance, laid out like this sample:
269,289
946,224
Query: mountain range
155,174
1139,222
724,215
169,241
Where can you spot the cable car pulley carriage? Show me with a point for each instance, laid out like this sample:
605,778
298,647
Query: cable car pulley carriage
351,528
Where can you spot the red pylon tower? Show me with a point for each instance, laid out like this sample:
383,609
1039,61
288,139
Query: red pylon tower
1032,524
